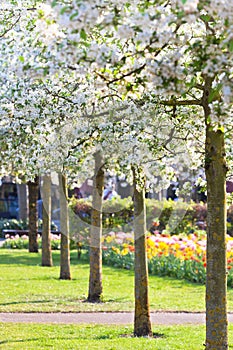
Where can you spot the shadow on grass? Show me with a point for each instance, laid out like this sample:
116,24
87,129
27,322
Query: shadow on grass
17,257
32,340
100,337
131,335
27,302
20,259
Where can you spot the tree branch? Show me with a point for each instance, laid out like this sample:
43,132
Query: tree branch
182,103
10,28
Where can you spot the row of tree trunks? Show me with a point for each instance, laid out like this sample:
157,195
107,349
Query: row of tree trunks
142,323
33,187
216,306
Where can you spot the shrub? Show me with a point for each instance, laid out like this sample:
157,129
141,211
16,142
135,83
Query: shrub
12,224
117,212
174,217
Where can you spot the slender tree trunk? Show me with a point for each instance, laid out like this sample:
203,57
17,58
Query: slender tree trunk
46,232
216,281
33,189
22,201
142,323
64,220
95,279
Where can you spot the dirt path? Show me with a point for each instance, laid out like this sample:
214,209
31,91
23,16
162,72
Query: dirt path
162,318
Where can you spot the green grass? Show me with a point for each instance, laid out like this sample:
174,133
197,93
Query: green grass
86,337
93,337
27,286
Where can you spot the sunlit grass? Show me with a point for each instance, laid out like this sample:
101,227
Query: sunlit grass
27,286
86,337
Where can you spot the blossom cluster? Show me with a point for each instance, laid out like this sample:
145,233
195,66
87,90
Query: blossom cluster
75,75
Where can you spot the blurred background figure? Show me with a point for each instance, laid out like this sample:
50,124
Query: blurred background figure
77,193
110,192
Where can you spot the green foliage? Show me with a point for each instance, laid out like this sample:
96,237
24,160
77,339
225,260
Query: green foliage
16,243
111,258
171,266
118,214
174,217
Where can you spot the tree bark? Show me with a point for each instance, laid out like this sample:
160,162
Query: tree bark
142,322
64,221
33,189
23,202
46,231
95,278
216,281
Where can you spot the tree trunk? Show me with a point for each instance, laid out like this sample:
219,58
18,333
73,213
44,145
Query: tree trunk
33,189
216,281
142,323
46,232
23,202
64,221
95,278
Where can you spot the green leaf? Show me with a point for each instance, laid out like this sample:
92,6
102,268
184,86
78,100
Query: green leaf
205,18
221,128
64,9
75,14
21,59
54,3
83,34
231,45
40,14
183,1
214,94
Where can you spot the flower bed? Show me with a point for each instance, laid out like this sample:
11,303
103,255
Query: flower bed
17,242
178,256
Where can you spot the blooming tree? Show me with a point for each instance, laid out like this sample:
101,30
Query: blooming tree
179,52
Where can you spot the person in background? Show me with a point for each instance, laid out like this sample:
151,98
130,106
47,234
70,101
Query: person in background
77,193
171,191
110,192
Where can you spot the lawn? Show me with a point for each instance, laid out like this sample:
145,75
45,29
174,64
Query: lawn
26,286
86,337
